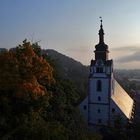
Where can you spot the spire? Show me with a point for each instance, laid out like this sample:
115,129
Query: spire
101,49
101,32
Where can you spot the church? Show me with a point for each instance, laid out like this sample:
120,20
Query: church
106,99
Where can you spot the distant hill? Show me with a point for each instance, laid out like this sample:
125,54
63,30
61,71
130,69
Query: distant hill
69,68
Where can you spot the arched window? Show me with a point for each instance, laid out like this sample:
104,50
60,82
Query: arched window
99,85
85,107
99,121
113,110
99,98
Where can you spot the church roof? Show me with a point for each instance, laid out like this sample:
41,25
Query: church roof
122,100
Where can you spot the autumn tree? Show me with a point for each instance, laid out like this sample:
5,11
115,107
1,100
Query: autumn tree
24,79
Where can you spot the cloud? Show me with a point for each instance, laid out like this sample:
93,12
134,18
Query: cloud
135,57
127,48
127,54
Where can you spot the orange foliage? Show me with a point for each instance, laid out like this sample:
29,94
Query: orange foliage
24,73
30,89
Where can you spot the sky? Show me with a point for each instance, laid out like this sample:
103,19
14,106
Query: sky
71,27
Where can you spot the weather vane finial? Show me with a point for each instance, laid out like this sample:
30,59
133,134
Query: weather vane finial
101,19
101,22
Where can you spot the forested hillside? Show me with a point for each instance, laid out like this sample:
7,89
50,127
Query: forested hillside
35,101
70,69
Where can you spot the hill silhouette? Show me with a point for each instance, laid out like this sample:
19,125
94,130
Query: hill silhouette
68,68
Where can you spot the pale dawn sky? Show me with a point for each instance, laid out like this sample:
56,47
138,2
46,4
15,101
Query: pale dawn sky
71,27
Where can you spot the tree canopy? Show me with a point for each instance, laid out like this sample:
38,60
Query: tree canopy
34,104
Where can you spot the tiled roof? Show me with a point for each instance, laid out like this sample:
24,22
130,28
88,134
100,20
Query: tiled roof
122,100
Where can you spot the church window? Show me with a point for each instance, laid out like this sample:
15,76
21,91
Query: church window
99,85
99,110
113,110
85,107
99,98
99,70
99,121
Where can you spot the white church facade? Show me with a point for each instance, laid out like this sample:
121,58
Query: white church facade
106,98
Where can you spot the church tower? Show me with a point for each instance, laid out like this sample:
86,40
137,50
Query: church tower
100,78
106,98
